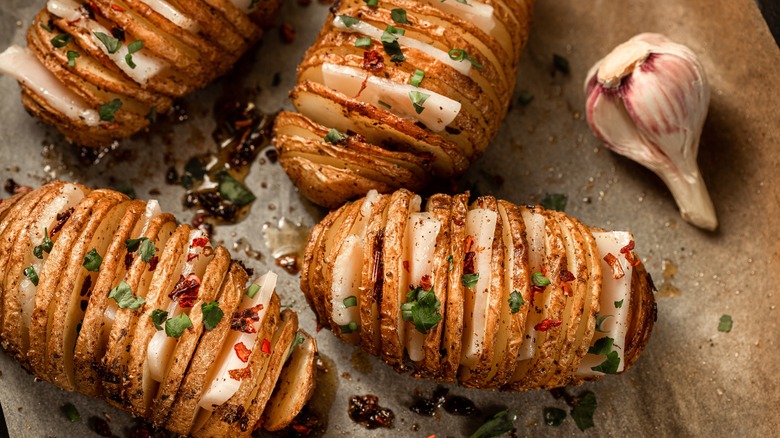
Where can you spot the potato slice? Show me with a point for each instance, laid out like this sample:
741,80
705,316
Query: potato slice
185,347
373,277
73,291
296,387
453,318
195,382
90,344
308,266
392,326
642,314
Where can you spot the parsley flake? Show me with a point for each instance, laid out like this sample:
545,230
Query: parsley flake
124,297
335,137
253,290
146,250
112,44
600,322
422,309
350,301
452,264
133,47
539,279
45,246
515,301
618,304
418,99
158,318
30,273
107,111
212,314
235,192
390,43
71,412
61,40
496,425
299,339
72,55
348,21
555,201
92,261
583,410
363,42
399,16
371,2
174,327
417,78
603,347
469,280
725,324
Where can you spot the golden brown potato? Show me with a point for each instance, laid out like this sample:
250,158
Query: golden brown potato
491,295
109,297
122,62
400,87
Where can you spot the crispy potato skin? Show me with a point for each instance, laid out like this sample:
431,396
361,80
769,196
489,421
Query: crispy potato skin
70,343
568,252
192,60
331,173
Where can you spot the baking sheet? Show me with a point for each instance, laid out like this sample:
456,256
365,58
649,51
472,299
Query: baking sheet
691,380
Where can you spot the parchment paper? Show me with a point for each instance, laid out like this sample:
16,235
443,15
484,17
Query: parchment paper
691,380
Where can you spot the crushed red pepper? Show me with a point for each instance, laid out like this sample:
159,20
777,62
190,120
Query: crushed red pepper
242,320
62,218
153,263
406,265
425,282
240,373
614,263
191,257
566,277
266,347
373,61
129,260
200,242
628,252
546,324
242,352
186,290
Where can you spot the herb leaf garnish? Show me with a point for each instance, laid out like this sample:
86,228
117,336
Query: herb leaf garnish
212,314
515,301
61,40
92,261
31,275
422,308
418,99
603,347
174,327
539,279
72,55
554,201
461,55
124,297
583,410
108,110
399,16
335,137
235,192
158,318
497,425
725,324
112,44
133,47
469,280
45,246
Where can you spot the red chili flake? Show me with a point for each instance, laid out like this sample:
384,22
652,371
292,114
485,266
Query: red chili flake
534,291
266,348
117,8
200,242
191,257
566,276
406,265
85,287
287,32
425,282
373,61
469,243
240,374
631,258
362,87
62,218
468,263
153,263
614,263
546,324
186,290
129,260
628,248
242,352
242,320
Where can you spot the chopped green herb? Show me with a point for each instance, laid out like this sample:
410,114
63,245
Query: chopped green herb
30,273
174,327
418,99
423,309
554,201
212,314
350,301
152,116
618,304
384,104
561,64
61,40
299,339
252,290
348,21
71,412
600,322
539,279
725,324
133,47
452,264
235,192
583,410
371,2
158,318
603,347
363,42
45,246
46,28
390,43
72,55
124,297
108,110
399,16
112,44
469,280
461,55
496,425
417,78
349,328
525,98
147,250
335,137
554,416
133,244
92,261
515,301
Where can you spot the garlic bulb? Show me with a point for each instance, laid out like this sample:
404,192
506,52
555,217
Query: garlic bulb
647,100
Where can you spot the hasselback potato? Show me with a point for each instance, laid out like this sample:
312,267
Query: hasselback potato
491,295
109,297
396,92
102,70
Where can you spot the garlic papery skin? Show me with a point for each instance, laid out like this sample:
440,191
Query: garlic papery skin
647,100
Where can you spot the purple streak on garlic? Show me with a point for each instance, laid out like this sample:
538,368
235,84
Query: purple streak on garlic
647,100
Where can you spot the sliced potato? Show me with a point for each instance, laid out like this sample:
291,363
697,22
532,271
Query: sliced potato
296,387
373,277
